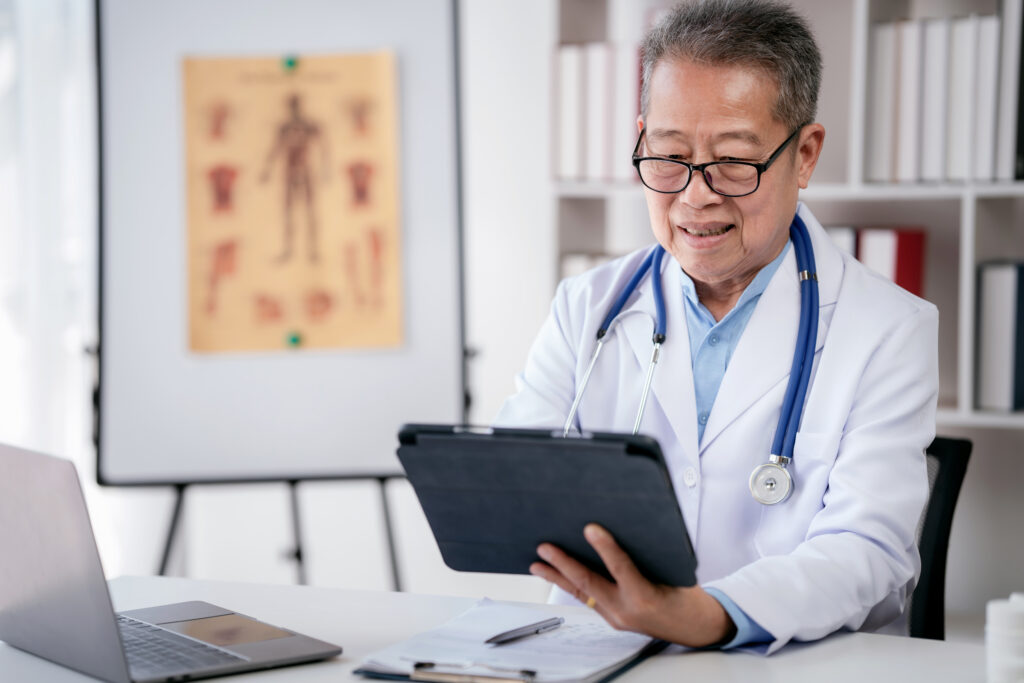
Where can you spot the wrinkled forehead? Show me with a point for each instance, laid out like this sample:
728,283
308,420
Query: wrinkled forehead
745,84
734,99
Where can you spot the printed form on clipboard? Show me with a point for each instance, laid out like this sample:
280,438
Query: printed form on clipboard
583,648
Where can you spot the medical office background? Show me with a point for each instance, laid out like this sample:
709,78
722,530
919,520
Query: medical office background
522,225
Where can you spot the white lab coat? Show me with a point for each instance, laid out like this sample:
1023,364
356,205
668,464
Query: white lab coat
841,552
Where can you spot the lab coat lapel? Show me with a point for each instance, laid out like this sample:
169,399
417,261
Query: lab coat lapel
764,354
672,387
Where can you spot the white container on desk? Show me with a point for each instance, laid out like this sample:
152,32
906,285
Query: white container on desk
1004,640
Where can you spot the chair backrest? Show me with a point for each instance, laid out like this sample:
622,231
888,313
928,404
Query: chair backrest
947,464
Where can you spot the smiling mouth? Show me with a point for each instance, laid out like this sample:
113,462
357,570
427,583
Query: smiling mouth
713,232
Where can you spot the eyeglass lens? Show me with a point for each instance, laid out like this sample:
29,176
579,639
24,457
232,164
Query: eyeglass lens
725,177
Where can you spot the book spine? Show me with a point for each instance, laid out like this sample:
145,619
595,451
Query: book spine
999,324
934,94
570,112
882,103
1018,168
845,238
597,150
1017,367
986,98
876,249
627,109
909,264
908,169
1012,15
896,253
959,137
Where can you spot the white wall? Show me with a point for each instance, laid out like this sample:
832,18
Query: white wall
507,58
48,204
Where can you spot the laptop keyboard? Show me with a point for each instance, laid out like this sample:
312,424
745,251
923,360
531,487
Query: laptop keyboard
153,651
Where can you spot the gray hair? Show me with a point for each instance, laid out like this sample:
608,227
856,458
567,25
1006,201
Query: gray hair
764,34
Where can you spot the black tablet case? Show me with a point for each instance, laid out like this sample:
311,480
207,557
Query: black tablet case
492,496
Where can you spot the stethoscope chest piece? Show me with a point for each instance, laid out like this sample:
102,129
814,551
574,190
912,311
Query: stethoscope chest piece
771,483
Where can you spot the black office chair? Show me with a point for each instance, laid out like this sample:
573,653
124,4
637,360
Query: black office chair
947,464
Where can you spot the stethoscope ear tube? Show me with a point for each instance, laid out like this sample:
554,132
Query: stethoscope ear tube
583,384
645,265
659,334
651,262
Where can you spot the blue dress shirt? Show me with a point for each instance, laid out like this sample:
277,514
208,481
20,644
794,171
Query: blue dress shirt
711,346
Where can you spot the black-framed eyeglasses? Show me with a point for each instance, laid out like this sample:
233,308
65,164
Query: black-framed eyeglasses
727,178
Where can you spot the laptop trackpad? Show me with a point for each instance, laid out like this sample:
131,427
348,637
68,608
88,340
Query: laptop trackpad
227,630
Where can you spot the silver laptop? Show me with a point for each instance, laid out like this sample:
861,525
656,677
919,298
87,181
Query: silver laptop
55,604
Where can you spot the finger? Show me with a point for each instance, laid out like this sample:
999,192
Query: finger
615,559
553,576
583,582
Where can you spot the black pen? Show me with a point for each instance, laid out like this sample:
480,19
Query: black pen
523,631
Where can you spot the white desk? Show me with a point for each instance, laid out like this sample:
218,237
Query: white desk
364,621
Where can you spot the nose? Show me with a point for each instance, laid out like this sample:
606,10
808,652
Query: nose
698,194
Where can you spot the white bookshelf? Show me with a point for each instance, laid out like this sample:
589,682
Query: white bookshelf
519,218
967,222
980,419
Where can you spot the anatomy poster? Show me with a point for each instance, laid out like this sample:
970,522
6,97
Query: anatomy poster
293,204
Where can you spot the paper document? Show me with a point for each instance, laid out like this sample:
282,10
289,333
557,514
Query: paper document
584,648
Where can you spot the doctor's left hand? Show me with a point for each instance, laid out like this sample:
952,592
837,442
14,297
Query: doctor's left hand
688,616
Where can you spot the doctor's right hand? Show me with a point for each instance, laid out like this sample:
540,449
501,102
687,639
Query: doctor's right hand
688,616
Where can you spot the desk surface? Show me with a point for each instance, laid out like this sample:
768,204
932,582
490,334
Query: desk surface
364,621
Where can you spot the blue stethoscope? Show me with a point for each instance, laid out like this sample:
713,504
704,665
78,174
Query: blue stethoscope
770,482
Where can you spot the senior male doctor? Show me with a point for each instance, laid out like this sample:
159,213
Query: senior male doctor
737,81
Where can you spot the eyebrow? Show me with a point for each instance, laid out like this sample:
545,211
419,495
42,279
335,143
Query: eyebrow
741,135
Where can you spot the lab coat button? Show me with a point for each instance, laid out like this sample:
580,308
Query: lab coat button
690,477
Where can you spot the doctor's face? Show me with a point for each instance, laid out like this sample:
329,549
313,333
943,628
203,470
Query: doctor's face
700,113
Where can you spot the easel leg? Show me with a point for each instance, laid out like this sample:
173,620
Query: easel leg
300,566
172,531
396,578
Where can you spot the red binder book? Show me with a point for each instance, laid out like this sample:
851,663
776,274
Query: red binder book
897,253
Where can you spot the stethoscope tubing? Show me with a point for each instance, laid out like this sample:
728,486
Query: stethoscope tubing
628,290
651,262
803,353
659,334
803,357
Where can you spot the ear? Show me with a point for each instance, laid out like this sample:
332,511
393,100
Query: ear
639,124
809,144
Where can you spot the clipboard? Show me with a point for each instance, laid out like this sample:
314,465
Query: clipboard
425,675
584,649
492,495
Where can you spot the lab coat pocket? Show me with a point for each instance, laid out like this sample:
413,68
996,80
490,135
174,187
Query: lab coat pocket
784,526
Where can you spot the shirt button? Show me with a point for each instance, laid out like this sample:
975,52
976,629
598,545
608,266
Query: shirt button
713,340
690,477
703,418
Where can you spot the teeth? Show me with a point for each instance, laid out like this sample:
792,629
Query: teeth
709,233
